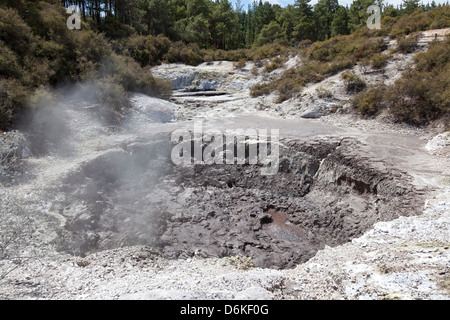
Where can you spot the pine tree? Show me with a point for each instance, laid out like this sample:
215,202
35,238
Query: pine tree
340,22
358,13
305,28
286,18
410,5
324,12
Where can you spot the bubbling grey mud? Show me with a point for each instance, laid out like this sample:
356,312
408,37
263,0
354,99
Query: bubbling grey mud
325,192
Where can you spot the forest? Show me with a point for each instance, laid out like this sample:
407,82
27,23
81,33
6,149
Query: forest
218,24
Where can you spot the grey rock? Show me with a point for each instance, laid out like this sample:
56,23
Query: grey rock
312,114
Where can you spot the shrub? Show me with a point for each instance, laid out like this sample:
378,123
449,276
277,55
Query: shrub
337,66
93,46
419,20
111,94
148,50
437,57
326,58
407,44
369,47
274,64
255,70
420,96
418,100
341,48
9,64
15,32
379,60
37,49
132,77
13,96
113,29
240,64
43,72
353,83
369,102
409,102
260,89
189,54
324,93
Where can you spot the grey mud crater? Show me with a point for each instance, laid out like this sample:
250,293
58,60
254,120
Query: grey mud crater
325,193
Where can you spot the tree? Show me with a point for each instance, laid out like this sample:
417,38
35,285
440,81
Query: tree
391,11
410,5
304,29
324,14
223,23
340,22
269,33
197,7
358,13
286,19
197,30
157,16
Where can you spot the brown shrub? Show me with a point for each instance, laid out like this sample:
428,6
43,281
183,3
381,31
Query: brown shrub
369,102
260,89
353,83
379,60
407,44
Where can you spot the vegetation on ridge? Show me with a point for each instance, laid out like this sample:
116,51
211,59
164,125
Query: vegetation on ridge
121,39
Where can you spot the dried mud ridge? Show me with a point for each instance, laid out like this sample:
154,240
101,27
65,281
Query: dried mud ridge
326,192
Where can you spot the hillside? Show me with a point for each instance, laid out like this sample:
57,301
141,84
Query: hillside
114,51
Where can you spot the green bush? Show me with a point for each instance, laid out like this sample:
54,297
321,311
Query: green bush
274,64
260,89
324,93
353,83
379,60
369,102
13,96
37,50
348,47
337,66
421,95
15,32
113,29
409,101
407,44
326,58
419,20
148,50
9,63
189,54
132,77
240,64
